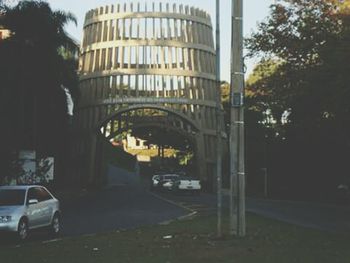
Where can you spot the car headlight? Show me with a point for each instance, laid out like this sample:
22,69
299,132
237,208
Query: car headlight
5,219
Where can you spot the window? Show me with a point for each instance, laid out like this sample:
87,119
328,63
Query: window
12,197
43,194
38,193
31,194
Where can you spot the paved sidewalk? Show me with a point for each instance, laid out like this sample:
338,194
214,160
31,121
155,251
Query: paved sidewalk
328,217
333,218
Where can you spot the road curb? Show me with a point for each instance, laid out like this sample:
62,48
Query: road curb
180,218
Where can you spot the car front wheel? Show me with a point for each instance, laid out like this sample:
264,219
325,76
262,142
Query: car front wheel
22,230
56,225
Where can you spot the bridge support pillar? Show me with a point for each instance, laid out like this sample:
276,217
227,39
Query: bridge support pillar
200,158
92,142
101,161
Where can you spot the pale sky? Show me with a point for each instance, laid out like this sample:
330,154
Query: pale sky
254,11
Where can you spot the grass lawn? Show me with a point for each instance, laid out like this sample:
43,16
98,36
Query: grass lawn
191,241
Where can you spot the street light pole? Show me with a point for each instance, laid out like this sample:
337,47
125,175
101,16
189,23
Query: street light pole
218,126
237,169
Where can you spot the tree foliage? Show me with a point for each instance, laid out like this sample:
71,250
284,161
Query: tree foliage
33,68
300,89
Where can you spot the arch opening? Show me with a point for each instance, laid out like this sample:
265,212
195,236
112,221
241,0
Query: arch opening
158,139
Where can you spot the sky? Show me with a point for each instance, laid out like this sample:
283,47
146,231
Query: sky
254,12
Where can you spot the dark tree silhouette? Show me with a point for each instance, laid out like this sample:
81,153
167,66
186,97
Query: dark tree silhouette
302,86
36,60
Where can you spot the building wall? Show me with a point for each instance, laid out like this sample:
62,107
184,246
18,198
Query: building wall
4,33
135,143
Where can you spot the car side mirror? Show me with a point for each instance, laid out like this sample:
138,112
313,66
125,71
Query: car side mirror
33,201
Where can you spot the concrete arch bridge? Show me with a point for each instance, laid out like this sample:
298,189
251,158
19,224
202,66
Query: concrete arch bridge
153,56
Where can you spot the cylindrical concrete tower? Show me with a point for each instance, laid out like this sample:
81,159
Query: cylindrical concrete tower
157,56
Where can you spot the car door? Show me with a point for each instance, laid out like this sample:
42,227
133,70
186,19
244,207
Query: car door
47,204
34,212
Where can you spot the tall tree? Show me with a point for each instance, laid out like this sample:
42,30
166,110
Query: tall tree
302,85
33,69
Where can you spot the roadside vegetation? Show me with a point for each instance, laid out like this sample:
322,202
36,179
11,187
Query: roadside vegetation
297,100
267,241
38,68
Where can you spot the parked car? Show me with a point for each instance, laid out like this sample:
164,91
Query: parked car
163,182
187,184
154,181
25,208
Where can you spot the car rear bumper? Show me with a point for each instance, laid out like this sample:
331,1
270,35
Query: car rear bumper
184,188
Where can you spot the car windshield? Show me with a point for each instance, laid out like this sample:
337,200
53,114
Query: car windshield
188,178
11,197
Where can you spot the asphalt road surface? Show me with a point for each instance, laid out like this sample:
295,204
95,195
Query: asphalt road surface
327,217
117,207
124,204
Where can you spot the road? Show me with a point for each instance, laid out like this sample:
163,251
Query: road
118,207
327,217
126,203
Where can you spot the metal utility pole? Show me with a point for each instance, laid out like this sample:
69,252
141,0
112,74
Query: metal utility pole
218,126
237,170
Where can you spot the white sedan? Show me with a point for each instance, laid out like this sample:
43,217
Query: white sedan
189,184
23,208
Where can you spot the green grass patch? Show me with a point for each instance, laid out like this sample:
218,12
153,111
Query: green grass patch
192,241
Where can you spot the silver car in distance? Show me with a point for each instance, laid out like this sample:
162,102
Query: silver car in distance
24,208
